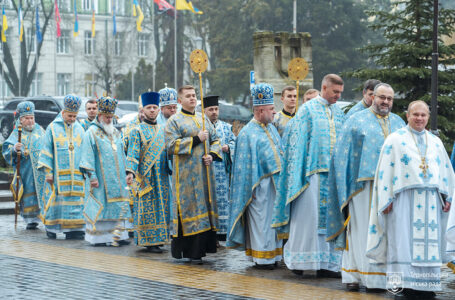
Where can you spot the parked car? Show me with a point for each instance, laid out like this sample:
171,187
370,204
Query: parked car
128,106
232,112
46,109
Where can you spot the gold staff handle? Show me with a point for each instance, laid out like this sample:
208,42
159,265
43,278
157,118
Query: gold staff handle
298,69
199,63
18,175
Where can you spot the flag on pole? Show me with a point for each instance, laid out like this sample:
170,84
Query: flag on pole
20,25
93,23
4,26
164,6
114,22
57,19
184,5
137,11
76,21
39,36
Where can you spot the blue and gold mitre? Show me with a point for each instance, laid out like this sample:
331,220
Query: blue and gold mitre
150,98
262,94
71,103
25,108
107,105
168,96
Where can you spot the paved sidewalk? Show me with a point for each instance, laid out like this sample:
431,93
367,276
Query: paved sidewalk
35,267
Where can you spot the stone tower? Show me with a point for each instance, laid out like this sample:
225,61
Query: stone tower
272,53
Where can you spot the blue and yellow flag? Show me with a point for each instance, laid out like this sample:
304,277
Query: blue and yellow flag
184,5
4,26
20,25
137,11
76,21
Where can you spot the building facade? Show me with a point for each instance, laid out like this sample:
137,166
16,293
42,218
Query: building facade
79,64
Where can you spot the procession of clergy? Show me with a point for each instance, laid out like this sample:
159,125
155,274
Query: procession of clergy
361,196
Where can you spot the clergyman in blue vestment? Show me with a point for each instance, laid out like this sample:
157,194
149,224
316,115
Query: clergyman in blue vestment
351,180
31,179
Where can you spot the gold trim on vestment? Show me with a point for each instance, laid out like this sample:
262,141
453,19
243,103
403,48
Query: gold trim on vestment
68,182
30,209
364,273
47,153
264,254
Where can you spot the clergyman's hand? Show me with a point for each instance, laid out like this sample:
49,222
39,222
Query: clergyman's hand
50,178
17,147
203,135
94,183
129,179
446,207
225,148
207,159
388,209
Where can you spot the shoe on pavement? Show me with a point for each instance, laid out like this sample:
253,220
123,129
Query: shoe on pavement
74,235
197,261
328,274
297,272
31,226
124,242
51,235
265,267
154,249
352,287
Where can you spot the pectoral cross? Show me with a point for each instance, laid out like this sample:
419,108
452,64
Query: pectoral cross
424,167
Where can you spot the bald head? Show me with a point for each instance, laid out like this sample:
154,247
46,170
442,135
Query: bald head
418,115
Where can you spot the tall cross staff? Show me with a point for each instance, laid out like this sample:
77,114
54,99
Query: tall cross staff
18,177
199,63
298,69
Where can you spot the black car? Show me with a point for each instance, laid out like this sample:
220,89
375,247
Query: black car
46,109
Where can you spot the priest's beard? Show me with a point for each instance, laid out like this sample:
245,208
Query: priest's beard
28,127
109,128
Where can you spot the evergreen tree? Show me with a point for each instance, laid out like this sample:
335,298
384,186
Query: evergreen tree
404,60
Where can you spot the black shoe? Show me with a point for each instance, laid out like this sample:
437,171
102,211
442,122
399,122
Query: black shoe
368,290
154,249
124,242
352,287
131,234
328,274
99,245
51,235
265,267
297,272
31,226
74,235
197,261
405,294
424,295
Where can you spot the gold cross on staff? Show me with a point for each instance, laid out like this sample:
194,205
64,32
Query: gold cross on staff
424,166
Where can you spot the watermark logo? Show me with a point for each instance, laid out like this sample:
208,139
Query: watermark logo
394,282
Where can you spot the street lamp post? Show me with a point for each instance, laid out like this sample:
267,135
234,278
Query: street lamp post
434,71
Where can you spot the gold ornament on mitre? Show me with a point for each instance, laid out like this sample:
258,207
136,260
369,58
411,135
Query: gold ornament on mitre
199,61
298,69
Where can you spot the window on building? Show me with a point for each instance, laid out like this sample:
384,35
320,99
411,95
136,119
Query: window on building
64,5
36,88
89,43
143,44
63,42
89,85
63,83
89,5
31,40
119,7
118,44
